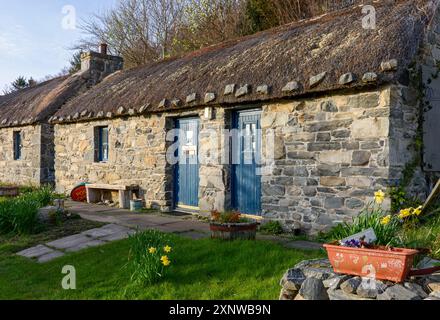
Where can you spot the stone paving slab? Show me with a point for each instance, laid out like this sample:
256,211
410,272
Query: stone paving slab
69,242
91,238
97,217
35,252
119,235
90,208
140,220
85,245
105,231
182,226
268,237
50,256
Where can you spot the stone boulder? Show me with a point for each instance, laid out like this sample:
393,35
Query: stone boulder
316,280
371,288
398,292
351,285
313,289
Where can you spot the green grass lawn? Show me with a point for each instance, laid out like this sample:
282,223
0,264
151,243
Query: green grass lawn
201,269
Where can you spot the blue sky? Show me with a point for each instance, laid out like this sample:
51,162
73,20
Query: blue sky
33,42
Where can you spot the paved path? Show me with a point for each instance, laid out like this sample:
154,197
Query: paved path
144,221
122,223
87,239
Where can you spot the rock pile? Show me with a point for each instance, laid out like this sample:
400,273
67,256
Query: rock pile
316,280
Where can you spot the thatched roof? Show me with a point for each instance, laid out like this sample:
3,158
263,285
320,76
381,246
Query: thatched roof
38,103
330,52
274,64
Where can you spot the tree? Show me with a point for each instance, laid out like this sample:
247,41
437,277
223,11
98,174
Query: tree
19,84
75,63
144,31
141,31
207,22
260,15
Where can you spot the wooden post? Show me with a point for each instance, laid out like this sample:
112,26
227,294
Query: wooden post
433,196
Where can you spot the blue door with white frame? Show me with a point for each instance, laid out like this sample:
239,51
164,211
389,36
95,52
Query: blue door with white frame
187,168
246,175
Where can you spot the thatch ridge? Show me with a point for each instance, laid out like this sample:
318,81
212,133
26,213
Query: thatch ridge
274,64
334,43
37,103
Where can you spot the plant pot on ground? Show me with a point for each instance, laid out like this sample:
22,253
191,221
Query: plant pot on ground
232,226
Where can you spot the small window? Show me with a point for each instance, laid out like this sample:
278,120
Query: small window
101,144
17,145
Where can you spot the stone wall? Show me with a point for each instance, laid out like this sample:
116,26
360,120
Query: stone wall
331,154
47,152
99,65
137,155
215,181
406,142
316,280
429,67
26,171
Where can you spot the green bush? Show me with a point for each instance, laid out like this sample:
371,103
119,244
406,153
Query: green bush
370,217
272,227
400,200
149,256
20,215
423,235
42,197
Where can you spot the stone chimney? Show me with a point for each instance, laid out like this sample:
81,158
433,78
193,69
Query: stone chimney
99,64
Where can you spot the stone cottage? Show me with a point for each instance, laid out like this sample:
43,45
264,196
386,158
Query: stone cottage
26,138
299,124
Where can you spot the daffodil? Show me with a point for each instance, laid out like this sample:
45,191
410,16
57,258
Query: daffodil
379,197
152,250
165,261
167,249
405,213
418,211
386,220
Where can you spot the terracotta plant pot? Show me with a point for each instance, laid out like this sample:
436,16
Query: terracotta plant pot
233,231
382,264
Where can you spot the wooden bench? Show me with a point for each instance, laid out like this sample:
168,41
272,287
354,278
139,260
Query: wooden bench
95,193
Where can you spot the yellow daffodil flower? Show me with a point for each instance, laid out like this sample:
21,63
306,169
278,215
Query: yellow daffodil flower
379,197
418,211
405,213
386,220
166,263
167,249
164,258
152,250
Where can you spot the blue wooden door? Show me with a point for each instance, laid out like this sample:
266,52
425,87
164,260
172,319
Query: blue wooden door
187,168
246,184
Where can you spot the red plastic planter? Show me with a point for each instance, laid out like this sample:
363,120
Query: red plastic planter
393,265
